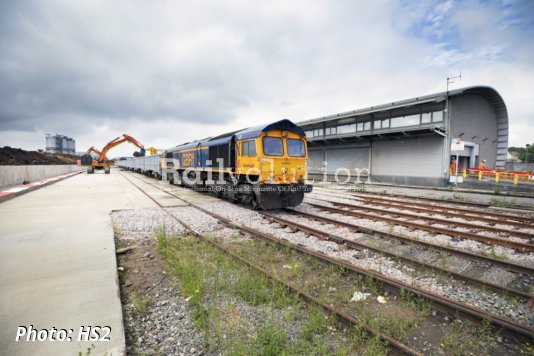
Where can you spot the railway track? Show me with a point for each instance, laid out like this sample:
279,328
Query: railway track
523,235
519,246
358,246
513,267
399,346
460,204
511,327
461,213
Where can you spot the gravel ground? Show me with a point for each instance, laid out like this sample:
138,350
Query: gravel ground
166,327
138,224
164,324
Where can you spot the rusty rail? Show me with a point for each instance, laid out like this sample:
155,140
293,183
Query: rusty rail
354,244
358,228
464,235
459,206
435,209
523,235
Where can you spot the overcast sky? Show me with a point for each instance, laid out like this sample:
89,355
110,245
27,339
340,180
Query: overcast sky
173,71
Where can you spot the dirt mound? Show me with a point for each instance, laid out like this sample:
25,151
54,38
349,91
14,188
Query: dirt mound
17,157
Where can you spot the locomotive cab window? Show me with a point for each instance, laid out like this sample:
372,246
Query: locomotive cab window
273,146
295,147
249,148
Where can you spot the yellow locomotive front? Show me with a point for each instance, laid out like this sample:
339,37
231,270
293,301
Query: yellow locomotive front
276,161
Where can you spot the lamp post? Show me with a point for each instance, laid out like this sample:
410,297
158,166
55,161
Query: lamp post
448,137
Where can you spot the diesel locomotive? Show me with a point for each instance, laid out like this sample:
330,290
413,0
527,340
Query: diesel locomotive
263,166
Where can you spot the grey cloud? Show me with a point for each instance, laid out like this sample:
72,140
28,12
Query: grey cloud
93,68
53,66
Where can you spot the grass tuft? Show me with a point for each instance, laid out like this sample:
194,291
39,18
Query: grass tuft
253,289
271,339
139,304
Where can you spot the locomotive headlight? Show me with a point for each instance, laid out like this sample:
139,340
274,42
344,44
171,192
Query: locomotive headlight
285,133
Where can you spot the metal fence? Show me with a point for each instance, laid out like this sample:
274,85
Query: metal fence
519,167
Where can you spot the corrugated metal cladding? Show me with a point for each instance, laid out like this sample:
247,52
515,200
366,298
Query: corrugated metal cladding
472,114
411,157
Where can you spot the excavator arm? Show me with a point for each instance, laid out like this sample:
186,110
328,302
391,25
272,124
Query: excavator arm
102,161
93,149
117,141
134,142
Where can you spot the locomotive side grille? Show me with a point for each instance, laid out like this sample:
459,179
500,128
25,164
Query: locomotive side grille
224,155
212,156
219,152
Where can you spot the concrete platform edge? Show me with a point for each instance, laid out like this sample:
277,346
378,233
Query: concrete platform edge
17,194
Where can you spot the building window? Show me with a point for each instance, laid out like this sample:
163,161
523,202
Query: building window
343,129
330,131
367,126
309,133
410,120
317,132
359,127
437,116
426,117
385,123
377,124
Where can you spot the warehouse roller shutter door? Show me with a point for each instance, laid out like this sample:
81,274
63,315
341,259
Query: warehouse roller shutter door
349,158
315,160
415,157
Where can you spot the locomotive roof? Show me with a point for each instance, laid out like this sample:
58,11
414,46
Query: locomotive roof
251,132
255,131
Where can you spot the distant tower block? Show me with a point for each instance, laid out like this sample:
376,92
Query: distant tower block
60,144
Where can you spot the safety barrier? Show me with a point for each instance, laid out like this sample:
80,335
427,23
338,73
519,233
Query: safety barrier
496,175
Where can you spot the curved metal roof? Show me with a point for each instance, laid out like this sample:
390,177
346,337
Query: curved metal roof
502,118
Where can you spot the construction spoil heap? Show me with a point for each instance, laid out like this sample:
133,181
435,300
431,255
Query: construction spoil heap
15,157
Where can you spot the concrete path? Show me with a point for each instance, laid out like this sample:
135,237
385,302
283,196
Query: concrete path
58,266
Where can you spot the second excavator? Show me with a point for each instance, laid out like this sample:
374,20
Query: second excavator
102,161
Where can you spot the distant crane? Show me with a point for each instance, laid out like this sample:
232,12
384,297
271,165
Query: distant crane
102,161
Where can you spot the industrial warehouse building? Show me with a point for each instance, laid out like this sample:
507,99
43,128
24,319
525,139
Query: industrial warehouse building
409,141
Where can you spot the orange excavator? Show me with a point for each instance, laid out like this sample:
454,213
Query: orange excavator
102,161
